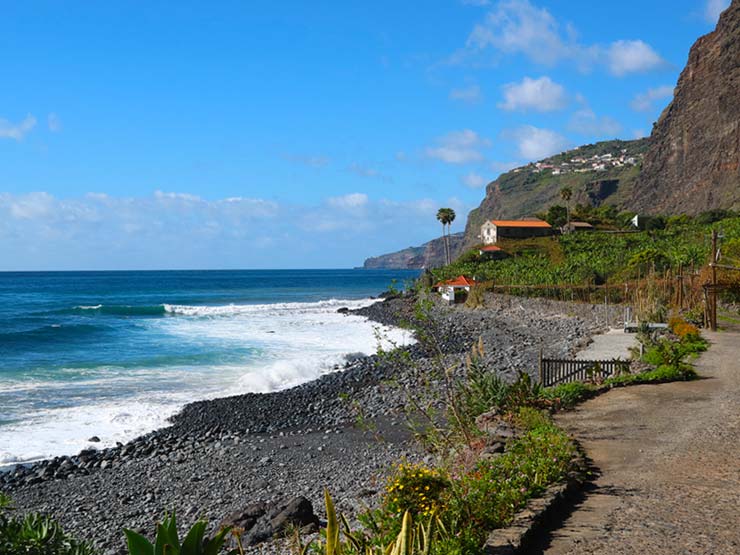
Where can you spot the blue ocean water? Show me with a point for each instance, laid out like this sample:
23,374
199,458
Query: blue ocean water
114,354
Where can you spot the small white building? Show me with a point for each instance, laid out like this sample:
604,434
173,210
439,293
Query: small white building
455,290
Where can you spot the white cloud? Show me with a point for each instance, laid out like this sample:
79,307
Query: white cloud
516,26
352,200
632,56
713,9
540,95
17,131
520,27
54,123
639,133
534,143
645,102
184,197
459,147
586,122
473,181
30,206
471,94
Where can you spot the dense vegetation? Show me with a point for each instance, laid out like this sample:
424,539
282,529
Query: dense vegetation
595,258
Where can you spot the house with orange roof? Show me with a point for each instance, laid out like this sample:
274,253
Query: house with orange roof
455,290
493,230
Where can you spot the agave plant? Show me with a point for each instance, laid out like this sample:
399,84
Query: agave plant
412,539
167,541
39,535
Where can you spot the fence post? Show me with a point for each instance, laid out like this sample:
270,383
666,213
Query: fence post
540,369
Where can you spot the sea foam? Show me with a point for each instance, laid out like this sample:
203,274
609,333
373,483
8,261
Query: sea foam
288,344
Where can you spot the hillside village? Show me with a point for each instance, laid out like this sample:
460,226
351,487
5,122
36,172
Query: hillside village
585,164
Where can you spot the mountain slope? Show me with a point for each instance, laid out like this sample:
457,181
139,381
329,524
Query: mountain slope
600,173
694,160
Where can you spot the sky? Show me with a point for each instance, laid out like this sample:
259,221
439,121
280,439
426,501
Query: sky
172,135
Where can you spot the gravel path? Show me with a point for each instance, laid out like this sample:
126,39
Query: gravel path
669,458
615,343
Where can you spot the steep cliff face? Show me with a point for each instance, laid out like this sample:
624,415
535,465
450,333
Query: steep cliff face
429,255
693,163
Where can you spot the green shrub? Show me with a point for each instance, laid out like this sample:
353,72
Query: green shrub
661,374
167,541
37,535
415,488
489,496
568,395
530,418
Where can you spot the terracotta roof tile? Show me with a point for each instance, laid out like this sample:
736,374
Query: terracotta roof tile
520,223
460,281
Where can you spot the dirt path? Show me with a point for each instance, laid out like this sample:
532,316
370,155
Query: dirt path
669,462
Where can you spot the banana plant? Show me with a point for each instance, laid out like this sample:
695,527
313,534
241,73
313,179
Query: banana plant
167,541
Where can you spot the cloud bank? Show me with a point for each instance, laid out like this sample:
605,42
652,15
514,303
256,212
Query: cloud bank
181,230
520,27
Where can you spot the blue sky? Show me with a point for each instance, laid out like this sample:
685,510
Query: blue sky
295,134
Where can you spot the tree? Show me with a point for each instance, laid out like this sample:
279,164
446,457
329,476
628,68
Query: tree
557,215
446,216
566,193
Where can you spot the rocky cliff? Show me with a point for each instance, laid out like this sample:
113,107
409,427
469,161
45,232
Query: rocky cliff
693,163
429,255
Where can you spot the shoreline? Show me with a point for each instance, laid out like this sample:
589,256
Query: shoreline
272,446
115,420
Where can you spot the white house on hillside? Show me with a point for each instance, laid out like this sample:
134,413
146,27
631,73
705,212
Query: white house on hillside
493,230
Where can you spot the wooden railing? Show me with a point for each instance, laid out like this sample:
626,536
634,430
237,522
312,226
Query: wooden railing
554,371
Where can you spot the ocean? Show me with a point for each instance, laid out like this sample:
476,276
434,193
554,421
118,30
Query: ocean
114,354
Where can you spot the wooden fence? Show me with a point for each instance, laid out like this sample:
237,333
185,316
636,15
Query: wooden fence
553,371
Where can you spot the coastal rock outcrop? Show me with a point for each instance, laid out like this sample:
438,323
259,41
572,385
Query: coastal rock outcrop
693,163
262,521
428,255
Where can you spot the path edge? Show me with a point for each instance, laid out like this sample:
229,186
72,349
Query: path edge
531,523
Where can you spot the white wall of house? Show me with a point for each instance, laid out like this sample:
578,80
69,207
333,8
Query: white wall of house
488,233
448,292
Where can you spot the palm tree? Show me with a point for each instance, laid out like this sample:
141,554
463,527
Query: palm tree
446,216
566,193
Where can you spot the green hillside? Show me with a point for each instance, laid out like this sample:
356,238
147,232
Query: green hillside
533,188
